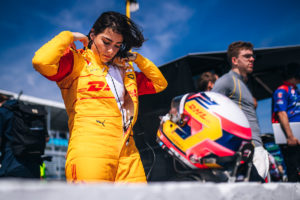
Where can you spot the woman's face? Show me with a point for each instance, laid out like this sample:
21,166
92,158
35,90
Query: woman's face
106,44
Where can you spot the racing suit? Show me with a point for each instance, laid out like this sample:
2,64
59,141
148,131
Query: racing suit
287,98
100,147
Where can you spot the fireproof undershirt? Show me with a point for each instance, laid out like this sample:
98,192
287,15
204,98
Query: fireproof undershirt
116,86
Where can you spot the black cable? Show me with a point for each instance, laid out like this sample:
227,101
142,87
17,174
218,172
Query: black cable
154,160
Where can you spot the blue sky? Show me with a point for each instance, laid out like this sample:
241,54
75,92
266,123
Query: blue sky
173,28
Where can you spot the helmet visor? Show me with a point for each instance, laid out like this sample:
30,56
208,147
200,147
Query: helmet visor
177,107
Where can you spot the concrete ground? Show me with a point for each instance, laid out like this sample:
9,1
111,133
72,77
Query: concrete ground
17,189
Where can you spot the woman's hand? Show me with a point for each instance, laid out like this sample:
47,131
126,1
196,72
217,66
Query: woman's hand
79,37
122,62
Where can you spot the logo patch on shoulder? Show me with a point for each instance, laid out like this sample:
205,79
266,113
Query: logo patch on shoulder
293,91
131,76
92,68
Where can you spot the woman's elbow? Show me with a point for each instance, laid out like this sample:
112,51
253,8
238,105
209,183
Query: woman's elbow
43,68
36,61
162,85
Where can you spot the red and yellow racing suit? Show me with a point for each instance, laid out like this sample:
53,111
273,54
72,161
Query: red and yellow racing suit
99,149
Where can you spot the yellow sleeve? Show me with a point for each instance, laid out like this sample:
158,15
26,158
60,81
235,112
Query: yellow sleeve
46,59
151,72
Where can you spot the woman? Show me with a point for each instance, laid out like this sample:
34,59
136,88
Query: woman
100,91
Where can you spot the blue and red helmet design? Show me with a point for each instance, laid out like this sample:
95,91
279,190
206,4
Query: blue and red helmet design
203,124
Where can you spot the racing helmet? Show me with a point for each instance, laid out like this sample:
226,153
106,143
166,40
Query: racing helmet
202,126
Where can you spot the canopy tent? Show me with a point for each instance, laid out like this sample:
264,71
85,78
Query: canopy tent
265,78
182,74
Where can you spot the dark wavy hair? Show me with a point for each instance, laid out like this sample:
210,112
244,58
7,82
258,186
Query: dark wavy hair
204,79
235,48
121,24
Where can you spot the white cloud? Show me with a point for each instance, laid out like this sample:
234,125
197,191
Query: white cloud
76,17
166,39
17,73
167,15
158,47
65,19
163,28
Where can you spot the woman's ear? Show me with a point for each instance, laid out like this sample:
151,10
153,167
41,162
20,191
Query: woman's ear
92,34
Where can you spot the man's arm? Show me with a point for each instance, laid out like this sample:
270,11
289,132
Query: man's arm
284,122
222,86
